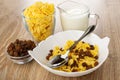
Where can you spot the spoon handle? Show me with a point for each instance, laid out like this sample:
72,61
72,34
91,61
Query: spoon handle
88,31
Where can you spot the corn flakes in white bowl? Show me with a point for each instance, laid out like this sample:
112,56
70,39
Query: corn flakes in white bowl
41,51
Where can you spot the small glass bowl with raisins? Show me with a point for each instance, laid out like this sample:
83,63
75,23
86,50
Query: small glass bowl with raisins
18,51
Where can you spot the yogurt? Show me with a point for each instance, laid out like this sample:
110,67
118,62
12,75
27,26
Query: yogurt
75,19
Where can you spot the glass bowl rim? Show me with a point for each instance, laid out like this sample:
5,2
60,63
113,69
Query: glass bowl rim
13,57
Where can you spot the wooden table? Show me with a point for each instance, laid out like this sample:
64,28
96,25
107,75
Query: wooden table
11,28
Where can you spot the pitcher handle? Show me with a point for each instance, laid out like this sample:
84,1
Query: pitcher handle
96,16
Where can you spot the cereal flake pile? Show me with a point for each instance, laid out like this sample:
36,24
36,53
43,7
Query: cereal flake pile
83,57
40,20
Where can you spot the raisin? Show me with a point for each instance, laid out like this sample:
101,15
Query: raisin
49,55
87,48
74,47
96,57
88,53
74,64
15,54
74,70
89,67
69,57
51,50
84,64
61,49
96,63
76,51
92,47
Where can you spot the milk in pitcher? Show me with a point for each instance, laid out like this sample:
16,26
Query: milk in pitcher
75,19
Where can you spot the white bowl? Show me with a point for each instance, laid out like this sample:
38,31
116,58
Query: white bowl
41,51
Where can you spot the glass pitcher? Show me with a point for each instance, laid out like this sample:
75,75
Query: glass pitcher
75,16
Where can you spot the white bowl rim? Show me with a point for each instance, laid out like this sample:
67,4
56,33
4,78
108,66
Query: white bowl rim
48,68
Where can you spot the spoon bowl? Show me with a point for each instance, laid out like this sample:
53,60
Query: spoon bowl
58,61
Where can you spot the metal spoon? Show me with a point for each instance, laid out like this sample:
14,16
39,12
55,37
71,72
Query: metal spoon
61,60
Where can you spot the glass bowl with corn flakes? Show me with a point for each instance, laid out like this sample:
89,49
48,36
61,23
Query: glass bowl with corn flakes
39,20
87,56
